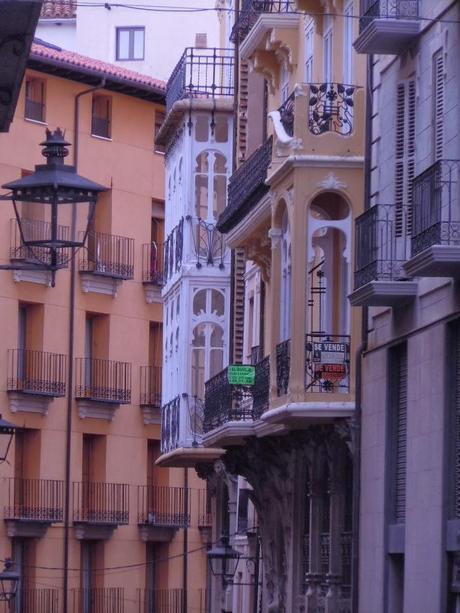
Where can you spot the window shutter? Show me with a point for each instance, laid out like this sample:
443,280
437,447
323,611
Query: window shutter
400,397
438,105
404,155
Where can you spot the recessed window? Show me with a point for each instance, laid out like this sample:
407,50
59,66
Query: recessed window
130,43
101,117
35,100
159,119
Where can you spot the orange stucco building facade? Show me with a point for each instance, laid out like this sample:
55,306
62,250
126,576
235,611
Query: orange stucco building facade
129,522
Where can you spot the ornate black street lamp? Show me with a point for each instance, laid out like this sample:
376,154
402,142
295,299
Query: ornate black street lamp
9,580
54,207
220,557
7,431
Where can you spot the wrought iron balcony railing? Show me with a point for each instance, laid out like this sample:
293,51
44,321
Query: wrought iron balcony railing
257,354
173,249
208,243
164,506
261,388
39,500
108,255
204,509
382,243
246,186
170,416
153,263
151,386
103,380
36,230
201,73
36,372
33,600
250,11
286,112
331,107
100,503
436,206
387,9
97,600
224,402
162,601
327,363
283,366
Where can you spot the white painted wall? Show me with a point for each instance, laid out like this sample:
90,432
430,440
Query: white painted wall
166,33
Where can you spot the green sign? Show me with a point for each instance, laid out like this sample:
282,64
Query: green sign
240,374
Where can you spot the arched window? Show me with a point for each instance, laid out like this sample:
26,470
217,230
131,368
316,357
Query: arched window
207,355
210,185
285,293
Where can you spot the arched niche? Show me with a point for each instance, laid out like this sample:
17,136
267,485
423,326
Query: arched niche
329,231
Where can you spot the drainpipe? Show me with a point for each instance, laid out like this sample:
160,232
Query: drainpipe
185,556
70,359
360,355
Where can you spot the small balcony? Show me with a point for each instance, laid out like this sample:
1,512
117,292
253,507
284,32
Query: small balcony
97,600
283,366
246,187
173,251
101,386
33,505
250,12
387,26
152,271
98,508
182,434
318,117
34,379
201,73
106,261
208,245
161,511
150,396
327,363
382,241
162,600
435,241
36,230
34,600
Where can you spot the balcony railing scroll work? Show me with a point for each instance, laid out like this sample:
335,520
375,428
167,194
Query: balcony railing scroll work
108,255
37,230
163,506
208,243
105,381
37,373
173,251
329,108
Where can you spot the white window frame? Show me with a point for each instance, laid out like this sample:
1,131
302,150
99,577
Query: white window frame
328,50
309,34
348,44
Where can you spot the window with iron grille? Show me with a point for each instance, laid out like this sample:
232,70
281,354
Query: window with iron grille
101,116
130,43
398,432
34,108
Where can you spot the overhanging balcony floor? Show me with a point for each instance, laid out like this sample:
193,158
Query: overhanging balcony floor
188,457
435,261
298,414
387,36
383,293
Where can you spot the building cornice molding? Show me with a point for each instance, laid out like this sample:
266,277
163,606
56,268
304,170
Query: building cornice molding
313,161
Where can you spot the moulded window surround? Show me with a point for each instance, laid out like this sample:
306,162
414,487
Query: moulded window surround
34,105
207,355
130,43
